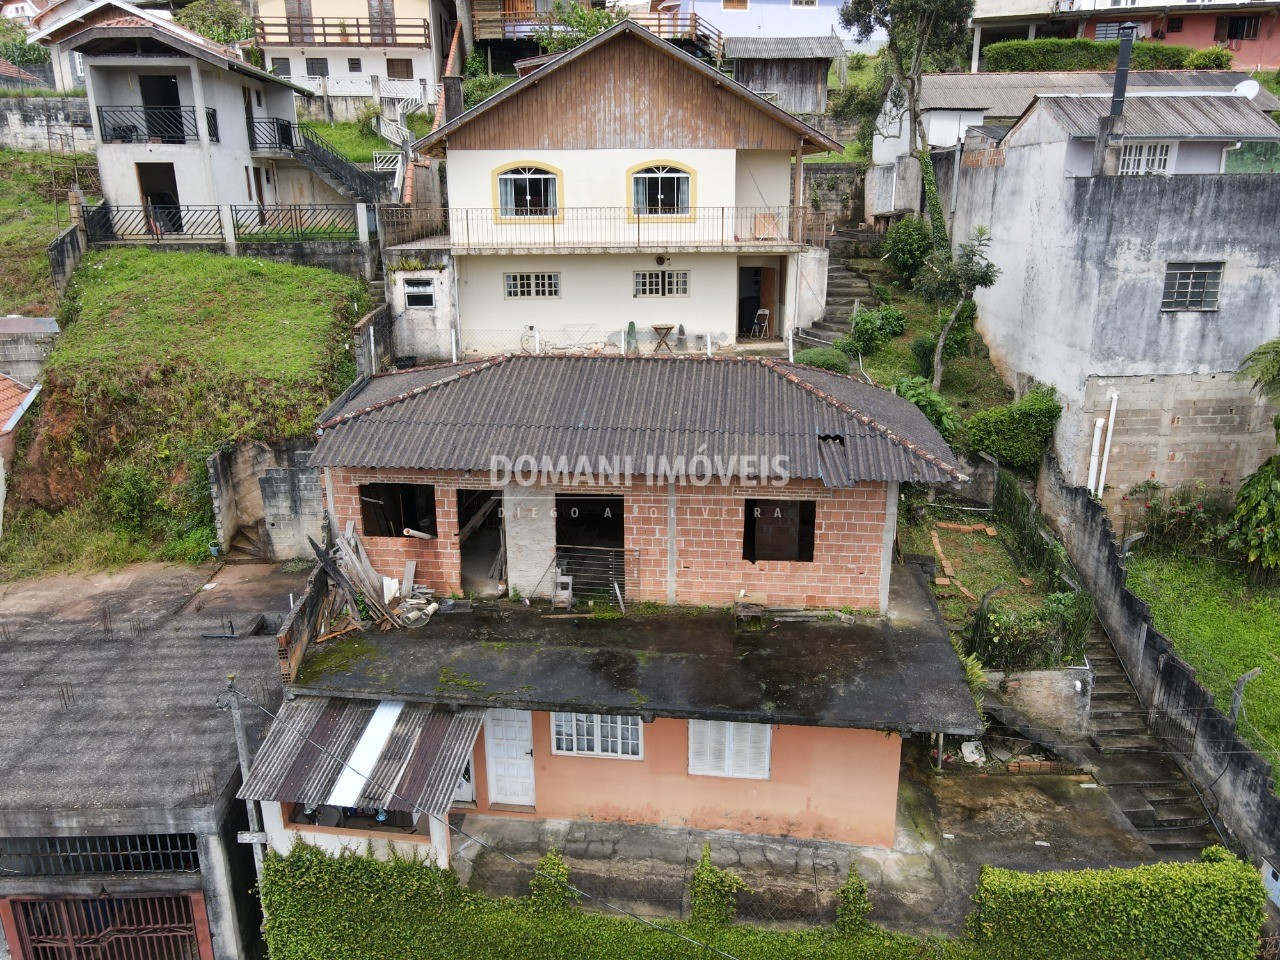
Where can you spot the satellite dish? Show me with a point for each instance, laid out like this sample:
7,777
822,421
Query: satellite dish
1247,88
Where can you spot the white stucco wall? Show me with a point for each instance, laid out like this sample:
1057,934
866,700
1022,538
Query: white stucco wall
281,837
942,127
423,332
596,300
373,62
764,179
528,514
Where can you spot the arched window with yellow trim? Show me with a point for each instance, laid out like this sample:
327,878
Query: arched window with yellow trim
527,192
660,191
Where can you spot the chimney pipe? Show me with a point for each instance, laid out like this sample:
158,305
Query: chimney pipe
1127,30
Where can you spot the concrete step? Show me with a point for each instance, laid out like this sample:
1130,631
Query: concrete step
1169,815
1112,690
1125,743
1182,838
1118,726
1133,805
1169,793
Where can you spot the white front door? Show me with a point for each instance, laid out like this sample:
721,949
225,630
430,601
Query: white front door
508,740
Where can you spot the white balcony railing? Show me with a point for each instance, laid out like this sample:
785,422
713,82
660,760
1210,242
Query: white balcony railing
482,229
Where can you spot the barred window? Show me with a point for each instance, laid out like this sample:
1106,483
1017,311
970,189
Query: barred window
526,286
804,3
661,283
591,734
116,853
1191,286
1109,30
1139,158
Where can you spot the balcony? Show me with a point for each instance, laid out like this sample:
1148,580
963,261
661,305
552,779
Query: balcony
605,229
334,32
508,24
138,124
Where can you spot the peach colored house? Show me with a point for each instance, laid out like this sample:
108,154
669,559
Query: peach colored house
729,714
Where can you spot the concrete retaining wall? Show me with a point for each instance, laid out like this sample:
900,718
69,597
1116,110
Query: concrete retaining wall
350,257
65,253
839,190
1054,699
1235,779
271,485
60,124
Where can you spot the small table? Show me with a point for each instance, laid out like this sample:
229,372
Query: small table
663,330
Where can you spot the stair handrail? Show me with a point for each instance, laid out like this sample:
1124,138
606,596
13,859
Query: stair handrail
361,183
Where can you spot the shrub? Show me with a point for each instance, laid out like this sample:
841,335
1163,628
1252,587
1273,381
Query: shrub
922,348
549,888
825,358
1256,519
1016,434
907,245
1214,58
1189,519
713,893
852,905
477,89
871,328
1040,639
1018,56
1210,910
920,392
131,496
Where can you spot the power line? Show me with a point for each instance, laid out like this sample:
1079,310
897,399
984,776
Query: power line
481,843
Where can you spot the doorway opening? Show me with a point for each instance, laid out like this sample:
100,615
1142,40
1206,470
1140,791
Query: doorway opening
590,542
482,543
158,185
162,108
758,303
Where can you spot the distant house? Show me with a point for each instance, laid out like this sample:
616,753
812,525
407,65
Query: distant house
12,75
1241,27
789,71
401,46
606,490
769,18
952,103
1135,275
623,184
194,142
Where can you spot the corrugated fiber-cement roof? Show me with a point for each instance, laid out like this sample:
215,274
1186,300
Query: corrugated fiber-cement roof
1009,94
783,48
1171,117
371,754
634,410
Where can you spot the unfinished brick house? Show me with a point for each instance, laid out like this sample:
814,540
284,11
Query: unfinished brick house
615,480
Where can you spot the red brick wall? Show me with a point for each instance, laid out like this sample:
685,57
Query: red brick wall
847,553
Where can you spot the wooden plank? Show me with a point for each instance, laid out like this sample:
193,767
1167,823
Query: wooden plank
406,584
475,521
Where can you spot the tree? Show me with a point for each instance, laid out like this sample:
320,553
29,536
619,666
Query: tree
570,24
922,34
15,48
222,21
1255,522
945,278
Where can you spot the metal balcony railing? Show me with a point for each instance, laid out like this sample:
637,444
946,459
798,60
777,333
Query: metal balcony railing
152,223
271,133
609,228
310,222
509,25
139,124
334,31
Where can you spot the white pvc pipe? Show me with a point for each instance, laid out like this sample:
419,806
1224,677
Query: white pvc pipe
791,346
537,341
1094,451
453,343
1106,450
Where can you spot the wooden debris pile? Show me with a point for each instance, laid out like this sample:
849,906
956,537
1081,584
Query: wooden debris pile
389,602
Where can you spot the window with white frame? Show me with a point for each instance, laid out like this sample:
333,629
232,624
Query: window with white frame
661,283
1109,30
596,735
527,286
804,3
1140,158
660,191
724,749
419,293
1191,286
527,192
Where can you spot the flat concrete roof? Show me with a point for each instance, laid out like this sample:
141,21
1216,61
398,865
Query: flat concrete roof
109,704
896,673
14,323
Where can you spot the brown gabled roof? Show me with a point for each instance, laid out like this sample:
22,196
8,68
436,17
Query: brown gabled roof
817,140
462,416
11,71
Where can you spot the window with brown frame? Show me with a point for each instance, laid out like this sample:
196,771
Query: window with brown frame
399,68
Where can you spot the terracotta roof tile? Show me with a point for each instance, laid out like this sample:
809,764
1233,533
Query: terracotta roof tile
12,71
12,393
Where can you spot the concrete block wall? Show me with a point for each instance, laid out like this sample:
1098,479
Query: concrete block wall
1175,430
272,484
22,355
60,124
849,540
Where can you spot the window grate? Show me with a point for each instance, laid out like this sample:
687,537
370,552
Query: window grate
122,853
524,286
1191,286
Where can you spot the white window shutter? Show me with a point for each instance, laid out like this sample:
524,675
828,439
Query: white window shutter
708,747
750,753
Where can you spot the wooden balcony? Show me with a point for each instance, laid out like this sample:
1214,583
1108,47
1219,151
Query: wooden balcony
335,32
504,20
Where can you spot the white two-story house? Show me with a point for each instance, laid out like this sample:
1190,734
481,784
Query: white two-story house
623,195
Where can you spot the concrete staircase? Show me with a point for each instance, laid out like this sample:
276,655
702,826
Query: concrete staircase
1134,765
249,545
845,289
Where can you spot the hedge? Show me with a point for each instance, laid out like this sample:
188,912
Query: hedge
1016,434
1019,56
1210,910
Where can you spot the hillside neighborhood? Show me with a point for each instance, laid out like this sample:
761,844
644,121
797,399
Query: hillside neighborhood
639,479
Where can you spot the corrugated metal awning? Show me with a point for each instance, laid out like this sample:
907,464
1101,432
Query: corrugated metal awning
364,753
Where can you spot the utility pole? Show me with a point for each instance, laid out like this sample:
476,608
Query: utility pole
255,835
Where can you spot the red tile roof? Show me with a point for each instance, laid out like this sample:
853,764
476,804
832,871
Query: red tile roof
14,72
12,393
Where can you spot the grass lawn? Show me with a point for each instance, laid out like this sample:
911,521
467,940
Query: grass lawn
969,383
853,153
980,563
1223,626
167,356
355,141
27,224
